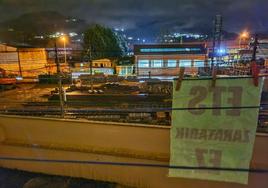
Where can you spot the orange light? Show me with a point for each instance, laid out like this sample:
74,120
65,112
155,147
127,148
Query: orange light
63,39
244,34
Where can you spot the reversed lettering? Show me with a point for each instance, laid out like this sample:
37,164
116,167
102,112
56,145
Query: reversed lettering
200,94
235,100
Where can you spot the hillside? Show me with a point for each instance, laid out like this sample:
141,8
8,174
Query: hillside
25,27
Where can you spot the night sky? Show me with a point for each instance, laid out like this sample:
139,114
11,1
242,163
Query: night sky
181,15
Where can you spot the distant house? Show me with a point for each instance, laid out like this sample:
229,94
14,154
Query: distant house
104,66
166,59
23,61
102,63
100,66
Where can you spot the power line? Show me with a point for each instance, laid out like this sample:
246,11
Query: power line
147,165
141,109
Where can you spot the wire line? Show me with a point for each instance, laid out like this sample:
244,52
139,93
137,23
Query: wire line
148,165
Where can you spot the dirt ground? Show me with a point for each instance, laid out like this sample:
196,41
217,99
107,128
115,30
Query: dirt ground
24,93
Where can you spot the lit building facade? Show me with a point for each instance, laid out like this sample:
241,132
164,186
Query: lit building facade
100,66
166,59
25,62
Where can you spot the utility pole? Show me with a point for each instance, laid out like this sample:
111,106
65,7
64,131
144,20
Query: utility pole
59,79
19,63
254,67
255,47
217,36
90,67
65,53
91,71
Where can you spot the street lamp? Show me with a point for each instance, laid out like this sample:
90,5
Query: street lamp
61,97
244,35
64,39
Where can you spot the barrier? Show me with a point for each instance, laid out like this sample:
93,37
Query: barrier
54,139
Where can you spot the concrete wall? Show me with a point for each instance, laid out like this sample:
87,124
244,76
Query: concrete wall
113,142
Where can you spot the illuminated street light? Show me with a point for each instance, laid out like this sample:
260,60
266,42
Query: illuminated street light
61,90
64,39
59,78
244,35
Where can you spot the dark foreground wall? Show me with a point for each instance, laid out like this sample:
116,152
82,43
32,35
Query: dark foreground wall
21,179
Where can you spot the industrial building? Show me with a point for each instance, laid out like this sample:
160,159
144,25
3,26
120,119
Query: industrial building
22,61
230,51
166,59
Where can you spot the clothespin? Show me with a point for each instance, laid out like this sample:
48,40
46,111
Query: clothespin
181,75
255,73
214,77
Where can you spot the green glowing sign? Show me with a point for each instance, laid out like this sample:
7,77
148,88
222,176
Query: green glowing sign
212,136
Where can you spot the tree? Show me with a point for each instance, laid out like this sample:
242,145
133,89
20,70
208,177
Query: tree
102,42
122,43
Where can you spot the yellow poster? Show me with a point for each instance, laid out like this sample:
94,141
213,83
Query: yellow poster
214,127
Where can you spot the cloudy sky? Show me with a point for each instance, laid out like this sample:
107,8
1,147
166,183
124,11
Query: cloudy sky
142,14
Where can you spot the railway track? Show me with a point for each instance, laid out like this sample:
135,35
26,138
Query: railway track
159,114
84,108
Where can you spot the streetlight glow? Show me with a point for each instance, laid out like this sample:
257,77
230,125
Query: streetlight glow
244,35
63,39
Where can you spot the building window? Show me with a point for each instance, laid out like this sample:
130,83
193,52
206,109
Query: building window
157,63
199,63
185,63
171,63
143,63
